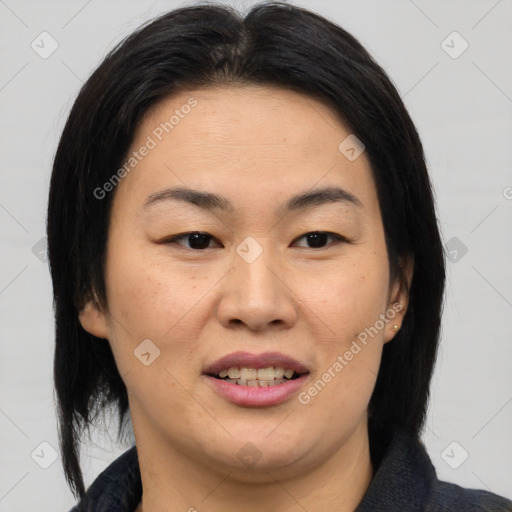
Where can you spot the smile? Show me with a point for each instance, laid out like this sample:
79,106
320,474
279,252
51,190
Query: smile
256,380
252,377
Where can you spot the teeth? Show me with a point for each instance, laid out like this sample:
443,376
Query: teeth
279,372
248,373
251,377
234,373
254,383
268,374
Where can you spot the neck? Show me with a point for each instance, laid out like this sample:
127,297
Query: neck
175,481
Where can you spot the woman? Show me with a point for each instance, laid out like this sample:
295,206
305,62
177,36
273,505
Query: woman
246,263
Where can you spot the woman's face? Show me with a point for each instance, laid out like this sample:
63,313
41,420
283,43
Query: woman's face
289,272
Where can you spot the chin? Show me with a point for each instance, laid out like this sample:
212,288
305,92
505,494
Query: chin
259,460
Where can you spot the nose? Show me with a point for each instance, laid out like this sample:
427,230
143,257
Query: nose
256,294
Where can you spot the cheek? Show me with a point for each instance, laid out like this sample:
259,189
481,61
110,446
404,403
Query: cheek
350,336
164,307
347,296
148,300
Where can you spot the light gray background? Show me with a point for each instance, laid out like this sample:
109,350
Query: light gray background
462,107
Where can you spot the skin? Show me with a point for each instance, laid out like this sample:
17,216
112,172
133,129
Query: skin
257,146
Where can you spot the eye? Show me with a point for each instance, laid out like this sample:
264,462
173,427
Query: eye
195,240
199,241
319,239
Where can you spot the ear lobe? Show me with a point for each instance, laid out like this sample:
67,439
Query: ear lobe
93,320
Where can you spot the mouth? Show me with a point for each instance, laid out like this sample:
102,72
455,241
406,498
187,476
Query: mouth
256,379
261,377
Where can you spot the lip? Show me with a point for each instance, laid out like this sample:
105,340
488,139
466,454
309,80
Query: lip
249,396
256,361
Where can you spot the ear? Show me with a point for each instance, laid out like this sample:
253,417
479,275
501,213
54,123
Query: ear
93,320
399,299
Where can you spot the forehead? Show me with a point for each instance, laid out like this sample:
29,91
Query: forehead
244,139
249,110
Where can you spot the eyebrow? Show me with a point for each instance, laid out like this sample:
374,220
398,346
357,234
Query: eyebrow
211,201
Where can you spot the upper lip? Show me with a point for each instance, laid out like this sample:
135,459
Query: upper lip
256,361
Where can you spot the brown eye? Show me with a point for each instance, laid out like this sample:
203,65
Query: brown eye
320,239
195,240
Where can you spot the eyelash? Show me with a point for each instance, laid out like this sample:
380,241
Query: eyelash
335,236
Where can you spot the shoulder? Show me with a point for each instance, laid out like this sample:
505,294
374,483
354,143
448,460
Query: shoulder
405,479
117,489
450,497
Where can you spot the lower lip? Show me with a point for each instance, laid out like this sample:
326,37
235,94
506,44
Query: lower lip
256,396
